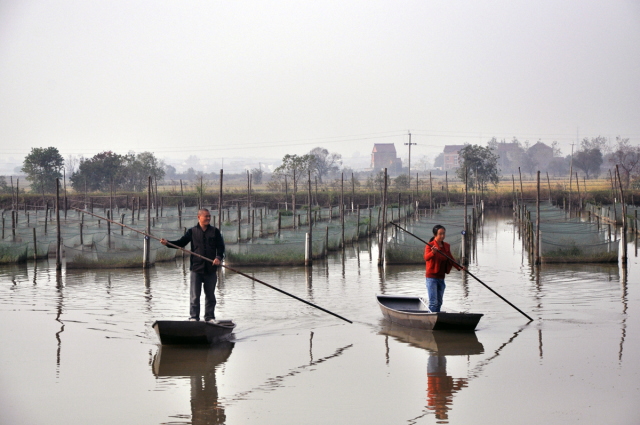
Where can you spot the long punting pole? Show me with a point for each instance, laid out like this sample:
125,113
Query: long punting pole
471,274
226,267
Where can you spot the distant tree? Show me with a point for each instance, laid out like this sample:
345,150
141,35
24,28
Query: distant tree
97,172
71,164
378,181
481,163
4,187
627,158
556,148
424,163
42,166
295,167
135,170
256,174
528,162
559,166
402,182
170,171
323,163
589,157
438,161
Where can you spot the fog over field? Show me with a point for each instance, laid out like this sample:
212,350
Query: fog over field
252,81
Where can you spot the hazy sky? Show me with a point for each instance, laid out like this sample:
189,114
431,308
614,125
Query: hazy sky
262,79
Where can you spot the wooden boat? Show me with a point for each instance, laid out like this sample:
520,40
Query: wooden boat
178,332
414,312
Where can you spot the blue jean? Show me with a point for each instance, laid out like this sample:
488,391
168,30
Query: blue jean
435,290
208,282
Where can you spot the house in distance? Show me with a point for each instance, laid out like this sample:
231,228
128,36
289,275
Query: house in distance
384,156
451,156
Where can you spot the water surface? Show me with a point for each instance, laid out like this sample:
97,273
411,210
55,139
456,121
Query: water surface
78,347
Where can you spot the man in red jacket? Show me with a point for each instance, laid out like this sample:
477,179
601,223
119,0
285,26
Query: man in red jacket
435,254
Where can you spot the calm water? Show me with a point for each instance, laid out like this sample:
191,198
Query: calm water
79,348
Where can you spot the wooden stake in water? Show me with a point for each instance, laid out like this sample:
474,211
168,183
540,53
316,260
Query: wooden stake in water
381,238
309,251
624,219
58,234
147,242
537,242
219,201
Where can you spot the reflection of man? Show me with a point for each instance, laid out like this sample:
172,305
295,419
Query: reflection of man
207,241
440,386
204,400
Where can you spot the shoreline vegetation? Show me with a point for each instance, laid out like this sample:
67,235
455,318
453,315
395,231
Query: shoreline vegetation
595,191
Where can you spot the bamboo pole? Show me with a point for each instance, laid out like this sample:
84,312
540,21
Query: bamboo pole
147,242
58,233
35,244
309,252
430,194
624,219
381,238
219,201
342,209
537,241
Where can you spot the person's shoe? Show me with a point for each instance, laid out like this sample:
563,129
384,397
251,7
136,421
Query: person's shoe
214,321
192,319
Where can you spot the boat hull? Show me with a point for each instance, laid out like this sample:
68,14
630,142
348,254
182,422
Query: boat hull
181,332
412,312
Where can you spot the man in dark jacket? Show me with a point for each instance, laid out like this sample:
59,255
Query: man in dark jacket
207,241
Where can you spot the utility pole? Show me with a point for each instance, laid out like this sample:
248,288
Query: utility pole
410,157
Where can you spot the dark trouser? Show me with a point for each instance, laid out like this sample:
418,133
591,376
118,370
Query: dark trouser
208,281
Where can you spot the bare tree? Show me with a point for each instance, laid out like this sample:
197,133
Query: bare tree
627,157
323,162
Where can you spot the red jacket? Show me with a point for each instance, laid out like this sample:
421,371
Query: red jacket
437,264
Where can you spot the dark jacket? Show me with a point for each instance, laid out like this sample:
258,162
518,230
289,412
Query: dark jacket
208,243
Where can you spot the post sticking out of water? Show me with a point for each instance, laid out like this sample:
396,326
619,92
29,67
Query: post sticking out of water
342,208
446,183
465,260
624,219
58,234
307,250
219,201
147,241
381,239
35,245
537,242
430,194
309,239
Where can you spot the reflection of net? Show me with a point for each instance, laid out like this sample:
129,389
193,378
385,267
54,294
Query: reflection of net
403,248
88,245
571,240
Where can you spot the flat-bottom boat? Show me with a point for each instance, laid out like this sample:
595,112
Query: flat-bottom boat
187,332
414,312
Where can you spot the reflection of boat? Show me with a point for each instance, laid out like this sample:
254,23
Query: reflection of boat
414,312
442,343
176,332
190,361
199,364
